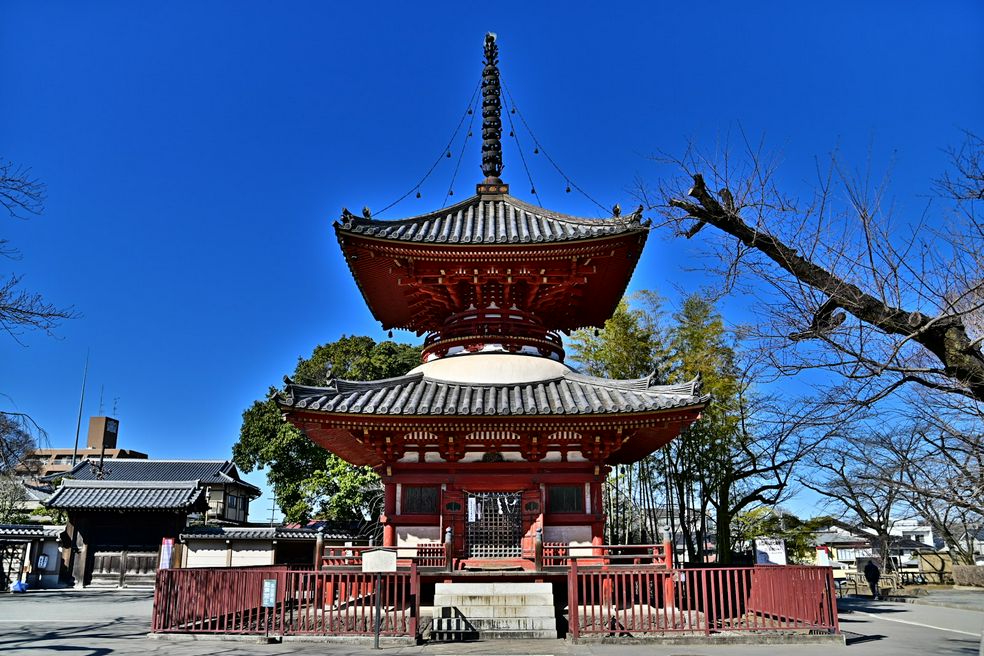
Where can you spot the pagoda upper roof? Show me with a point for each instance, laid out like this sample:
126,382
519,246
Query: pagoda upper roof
491,219
418,395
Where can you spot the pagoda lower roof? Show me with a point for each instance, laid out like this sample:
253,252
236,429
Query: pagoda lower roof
491,219
418,395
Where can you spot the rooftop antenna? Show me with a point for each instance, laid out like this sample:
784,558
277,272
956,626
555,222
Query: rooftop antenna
101,388
78,424
116,402
273,509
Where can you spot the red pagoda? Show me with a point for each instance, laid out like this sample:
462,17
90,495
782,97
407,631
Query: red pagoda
493,437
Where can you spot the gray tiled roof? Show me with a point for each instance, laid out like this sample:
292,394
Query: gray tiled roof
260,533
415,394
37,492
491,219
29,531
127,495
209,472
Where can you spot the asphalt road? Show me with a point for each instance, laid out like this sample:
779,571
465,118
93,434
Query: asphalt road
94,623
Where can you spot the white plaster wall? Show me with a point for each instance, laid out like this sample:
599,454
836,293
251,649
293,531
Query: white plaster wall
575,536
245,553
205,554
507,456
409,536
495,368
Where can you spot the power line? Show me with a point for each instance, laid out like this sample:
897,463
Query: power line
539,146
445,153
461,153
522,157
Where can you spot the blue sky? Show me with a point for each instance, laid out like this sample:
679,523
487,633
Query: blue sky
196,154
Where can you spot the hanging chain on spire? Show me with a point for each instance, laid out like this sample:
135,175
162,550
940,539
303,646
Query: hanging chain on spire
491,121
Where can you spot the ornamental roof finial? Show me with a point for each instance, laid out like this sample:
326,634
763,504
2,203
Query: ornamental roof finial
491,114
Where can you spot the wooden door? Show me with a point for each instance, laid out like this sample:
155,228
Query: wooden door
453,515
532,508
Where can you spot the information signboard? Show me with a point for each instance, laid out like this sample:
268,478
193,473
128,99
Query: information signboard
770,551
269,593
379,560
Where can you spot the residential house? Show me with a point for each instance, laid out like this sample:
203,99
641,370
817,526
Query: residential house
235,546
227,494
119,514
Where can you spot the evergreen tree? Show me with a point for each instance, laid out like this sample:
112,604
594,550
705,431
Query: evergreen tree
307,480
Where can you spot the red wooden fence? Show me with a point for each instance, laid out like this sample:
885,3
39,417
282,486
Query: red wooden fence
228,600
603,599
636,601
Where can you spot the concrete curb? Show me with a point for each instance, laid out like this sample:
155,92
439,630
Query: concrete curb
384,641
940,604
732,639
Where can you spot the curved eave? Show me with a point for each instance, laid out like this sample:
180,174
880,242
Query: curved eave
646,431
348,420
490,219
373,261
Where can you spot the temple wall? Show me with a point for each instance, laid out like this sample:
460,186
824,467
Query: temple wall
205,556
408,536
573,535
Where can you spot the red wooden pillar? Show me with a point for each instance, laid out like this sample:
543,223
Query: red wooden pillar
389,511
598,527
597,537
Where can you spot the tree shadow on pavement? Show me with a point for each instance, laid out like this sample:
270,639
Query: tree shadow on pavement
65,638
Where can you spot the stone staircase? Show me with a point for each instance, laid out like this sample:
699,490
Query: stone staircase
493,611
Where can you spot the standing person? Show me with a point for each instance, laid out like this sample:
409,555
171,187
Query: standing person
872,574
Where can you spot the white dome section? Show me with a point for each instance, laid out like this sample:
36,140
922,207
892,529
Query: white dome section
493,368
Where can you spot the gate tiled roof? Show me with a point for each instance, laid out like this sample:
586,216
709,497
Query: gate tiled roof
127,495
207,472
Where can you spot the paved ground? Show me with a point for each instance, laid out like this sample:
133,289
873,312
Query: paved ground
963,599
94,623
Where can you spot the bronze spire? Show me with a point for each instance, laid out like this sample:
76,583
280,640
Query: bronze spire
491,120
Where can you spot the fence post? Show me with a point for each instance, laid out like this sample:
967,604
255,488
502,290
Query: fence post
415,593
319,547
572,601
832,602
667,547
447,549
706,601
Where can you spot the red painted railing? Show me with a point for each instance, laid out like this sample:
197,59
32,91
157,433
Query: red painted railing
560,554
633,601
424,554
307,602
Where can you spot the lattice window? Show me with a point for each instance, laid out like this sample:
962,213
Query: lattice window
419,500
565,499
494,525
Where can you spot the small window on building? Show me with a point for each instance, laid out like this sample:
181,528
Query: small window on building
419,500
233,501
565,499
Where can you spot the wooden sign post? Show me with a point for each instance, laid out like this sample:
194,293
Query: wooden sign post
378,561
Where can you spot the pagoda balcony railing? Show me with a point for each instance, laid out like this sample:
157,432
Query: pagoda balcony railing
472,330
562,554
423,554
